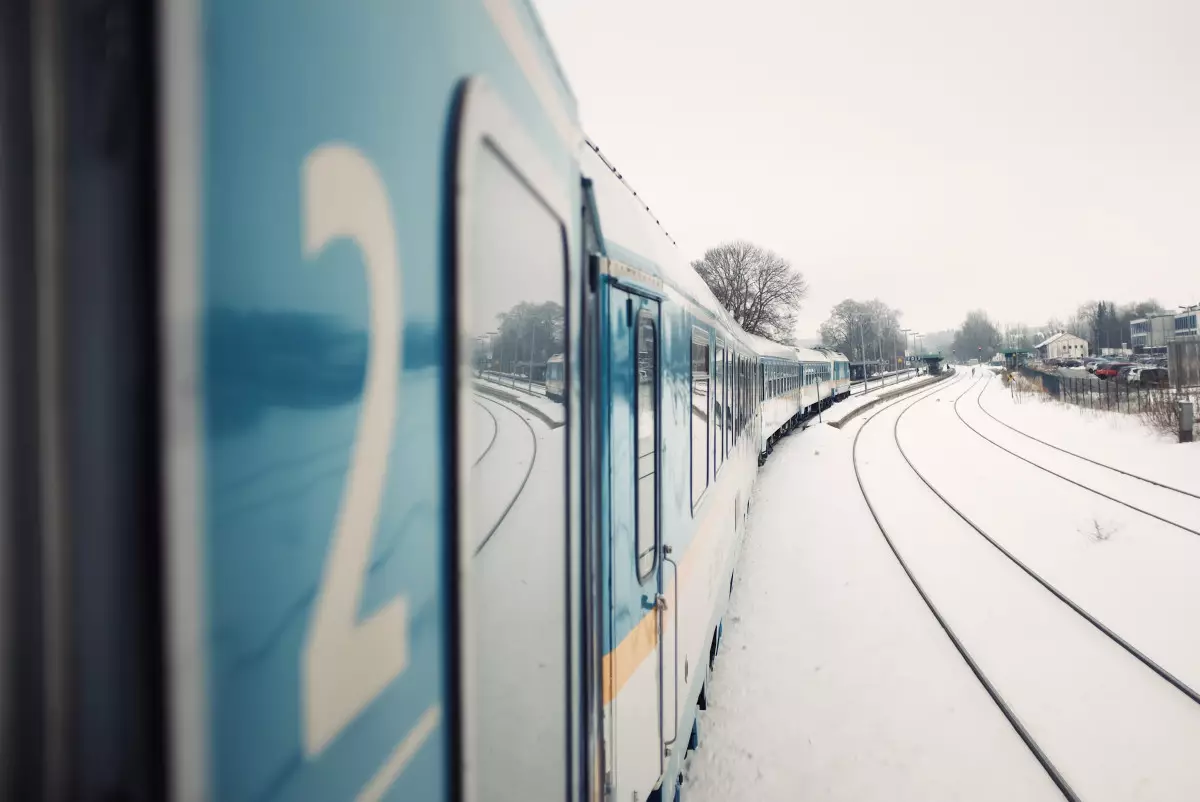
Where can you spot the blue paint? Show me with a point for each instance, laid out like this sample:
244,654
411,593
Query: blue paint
285,347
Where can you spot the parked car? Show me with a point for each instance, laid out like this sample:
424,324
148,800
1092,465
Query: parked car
1123,373
1150,377
1092,364
1110,369
1071,363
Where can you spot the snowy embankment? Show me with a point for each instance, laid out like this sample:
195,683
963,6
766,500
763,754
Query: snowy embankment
1113,728
1114,438
834,682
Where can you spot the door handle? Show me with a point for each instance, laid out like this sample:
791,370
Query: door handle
666,550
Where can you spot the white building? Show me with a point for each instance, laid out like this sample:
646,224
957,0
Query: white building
1062,346
1151,334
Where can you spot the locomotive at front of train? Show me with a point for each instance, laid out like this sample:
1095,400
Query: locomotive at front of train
373,250
679,450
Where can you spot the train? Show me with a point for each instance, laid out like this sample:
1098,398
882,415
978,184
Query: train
286,513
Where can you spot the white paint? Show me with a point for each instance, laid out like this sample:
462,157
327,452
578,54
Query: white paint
346,663
400,757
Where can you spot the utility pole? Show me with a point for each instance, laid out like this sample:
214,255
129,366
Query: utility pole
862,351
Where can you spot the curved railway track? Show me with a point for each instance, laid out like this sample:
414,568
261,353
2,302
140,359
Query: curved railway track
1038,753
524,480
1069,480
1145,660
495,431
1164,486
1001,703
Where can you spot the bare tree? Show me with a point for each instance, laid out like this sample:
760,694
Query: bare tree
756,285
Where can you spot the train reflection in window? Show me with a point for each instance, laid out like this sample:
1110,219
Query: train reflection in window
516,522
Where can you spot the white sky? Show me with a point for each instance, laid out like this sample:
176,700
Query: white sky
1023,156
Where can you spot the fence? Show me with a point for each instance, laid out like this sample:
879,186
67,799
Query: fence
1092,393
1183,361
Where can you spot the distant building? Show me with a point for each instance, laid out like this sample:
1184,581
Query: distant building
1150,335
1062,346
1185,323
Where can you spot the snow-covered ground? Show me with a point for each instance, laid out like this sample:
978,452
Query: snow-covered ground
1115,438
836,682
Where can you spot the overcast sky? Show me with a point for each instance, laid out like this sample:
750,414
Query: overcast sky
1022,156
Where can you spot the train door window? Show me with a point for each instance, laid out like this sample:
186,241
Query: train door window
512,310
730,405
645,539
718,405
699,413
741,388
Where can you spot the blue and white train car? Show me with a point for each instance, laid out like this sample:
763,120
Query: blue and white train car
840,371
681,421
292,548
378,555
302,545
779,375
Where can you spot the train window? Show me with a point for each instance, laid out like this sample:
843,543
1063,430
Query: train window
699,413
730,405
647,444
512,313
718,405
739,388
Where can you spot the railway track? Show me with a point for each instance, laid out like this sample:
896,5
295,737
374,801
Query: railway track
1065,478
1022,732
1003,704
483,541
1098,463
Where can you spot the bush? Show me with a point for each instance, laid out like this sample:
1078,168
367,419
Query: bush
1160,412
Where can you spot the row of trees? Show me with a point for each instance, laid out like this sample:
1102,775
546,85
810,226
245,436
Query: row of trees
864,330
1103,324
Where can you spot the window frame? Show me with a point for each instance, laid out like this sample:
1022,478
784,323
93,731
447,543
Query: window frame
485,121
700,336
646,315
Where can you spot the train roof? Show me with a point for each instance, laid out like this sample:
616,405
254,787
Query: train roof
812,355
628,232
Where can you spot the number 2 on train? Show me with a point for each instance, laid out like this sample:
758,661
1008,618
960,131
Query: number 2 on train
346,663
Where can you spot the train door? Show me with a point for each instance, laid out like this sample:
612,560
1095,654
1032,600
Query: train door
634,664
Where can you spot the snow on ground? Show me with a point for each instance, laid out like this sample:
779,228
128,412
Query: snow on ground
1162,501
1117,731
1119,439
834,682
554,413
1134,573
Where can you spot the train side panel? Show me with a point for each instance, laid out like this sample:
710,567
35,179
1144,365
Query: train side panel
315,158
664,604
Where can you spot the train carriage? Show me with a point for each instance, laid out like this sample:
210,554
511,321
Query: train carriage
323,541
681,417
299,550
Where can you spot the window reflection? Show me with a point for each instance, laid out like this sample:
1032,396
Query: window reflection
514,430
647,442
699,413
